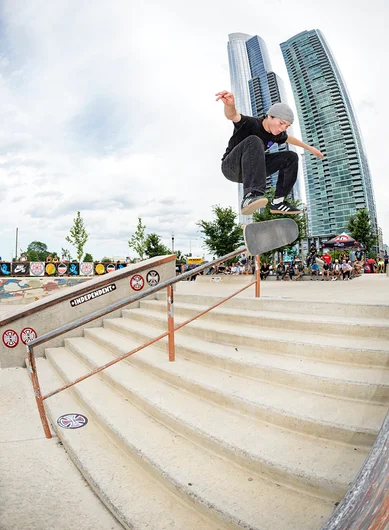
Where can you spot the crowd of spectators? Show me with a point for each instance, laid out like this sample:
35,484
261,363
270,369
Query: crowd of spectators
326,266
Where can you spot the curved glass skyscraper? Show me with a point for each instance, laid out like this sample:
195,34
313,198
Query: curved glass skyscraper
340,184
255,87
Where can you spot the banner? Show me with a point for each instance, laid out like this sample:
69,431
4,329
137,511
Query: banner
21,268
5,268
37,268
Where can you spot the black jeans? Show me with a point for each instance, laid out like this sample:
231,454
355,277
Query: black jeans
248,163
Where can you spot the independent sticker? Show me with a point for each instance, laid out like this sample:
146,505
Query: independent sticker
72,421
10,338
137,282
27,335
152,278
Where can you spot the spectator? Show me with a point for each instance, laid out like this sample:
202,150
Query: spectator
336,271
23,257
49,259
280,270
357,268
315,269
326,257
381,265
265,270
346,270
291,270
300,270
352,257
312,255
327,268
386,260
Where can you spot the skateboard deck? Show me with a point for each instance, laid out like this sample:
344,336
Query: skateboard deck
269,235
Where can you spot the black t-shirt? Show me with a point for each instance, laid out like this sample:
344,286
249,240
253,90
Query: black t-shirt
249,126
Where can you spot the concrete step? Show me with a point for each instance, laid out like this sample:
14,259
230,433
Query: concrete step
313,414
313,323
117,478
340,349
283,456
232,497
358,382
287,305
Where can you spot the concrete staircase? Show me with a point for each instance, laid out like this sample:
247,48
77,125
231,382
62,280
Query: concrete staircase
261,423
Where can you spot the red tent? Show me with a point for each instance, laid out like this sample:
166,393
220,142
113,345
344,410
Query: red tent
343,240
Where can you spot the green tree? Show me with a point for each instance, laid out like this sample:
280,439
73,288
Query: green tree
66,254
106,260
78,236
37,251
155,247
88,258
181,258
222,235
360,228
300,219
138,239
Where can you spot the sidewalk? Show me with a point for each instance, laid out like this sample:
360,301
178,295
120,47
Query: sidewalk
40,487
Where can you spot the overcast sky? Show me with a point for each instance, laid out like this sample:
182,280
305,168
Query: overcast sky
109,108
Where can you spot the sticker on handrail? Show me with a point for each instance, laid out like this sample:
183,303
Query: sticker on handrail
72,421
92,295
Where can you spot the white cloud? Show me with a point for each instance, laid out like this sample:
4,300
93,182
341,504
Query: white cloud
109,108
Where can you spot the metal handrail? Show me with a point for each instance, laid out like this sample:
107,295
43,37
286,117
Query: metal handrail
118,305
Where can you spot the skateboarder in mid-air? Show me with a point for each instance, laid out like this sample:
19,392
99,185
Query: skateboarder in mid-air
247,161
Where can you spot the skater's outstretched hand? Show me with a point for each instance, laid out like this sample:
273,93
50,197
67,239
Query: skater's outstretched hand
229,105
316,152
226,97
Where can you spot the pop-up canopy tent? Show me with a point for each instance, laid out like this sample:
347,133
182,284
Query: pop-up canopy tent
343,240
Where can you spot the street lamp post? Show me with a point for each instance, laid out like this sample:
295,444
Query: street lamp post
172,242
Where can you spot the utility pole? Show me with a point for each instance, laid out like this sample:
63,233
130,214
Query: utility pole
16,244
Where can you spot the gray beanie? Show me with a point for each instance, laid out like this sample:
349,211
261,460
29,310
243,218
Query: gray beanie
281,111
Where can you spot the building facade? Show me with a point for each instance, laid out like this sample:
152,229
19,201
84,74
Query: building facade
255,87
340,184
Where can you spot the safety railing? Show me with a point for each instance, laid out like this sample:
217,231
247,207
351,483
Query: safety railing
168,284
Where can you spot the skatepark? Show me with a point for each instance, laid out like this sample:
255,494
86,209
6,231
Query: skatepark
264,420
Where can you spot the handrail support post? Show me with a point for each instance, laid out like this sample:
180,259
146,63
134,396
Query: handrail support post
37,391
257,276
170,321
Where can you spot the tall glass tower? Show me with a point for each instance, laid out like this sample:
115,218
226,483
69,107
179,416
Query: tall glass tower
340,184
255,87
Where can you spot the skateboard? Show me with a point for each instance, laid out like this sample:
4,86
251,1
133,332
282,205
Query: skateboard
269,235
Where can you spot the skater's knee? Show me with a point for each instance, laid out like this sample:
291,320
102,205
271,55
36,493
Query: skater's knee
254,141
293,156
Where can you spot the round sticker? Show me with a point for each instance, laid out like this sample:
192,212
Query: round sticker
152,278
72,421
100,268
50,269
27,335
111,267
137,282
37,268
86,268
62,268
10,338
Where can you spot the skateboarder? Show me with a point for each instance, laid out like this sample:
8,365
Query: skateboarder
247,161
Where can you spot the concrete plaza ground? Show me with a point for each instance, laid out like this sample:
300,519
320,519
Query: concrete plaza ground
40,488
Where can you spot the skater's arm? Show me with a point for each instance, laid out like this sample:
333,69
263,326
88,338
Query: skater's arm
229,105
294,141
